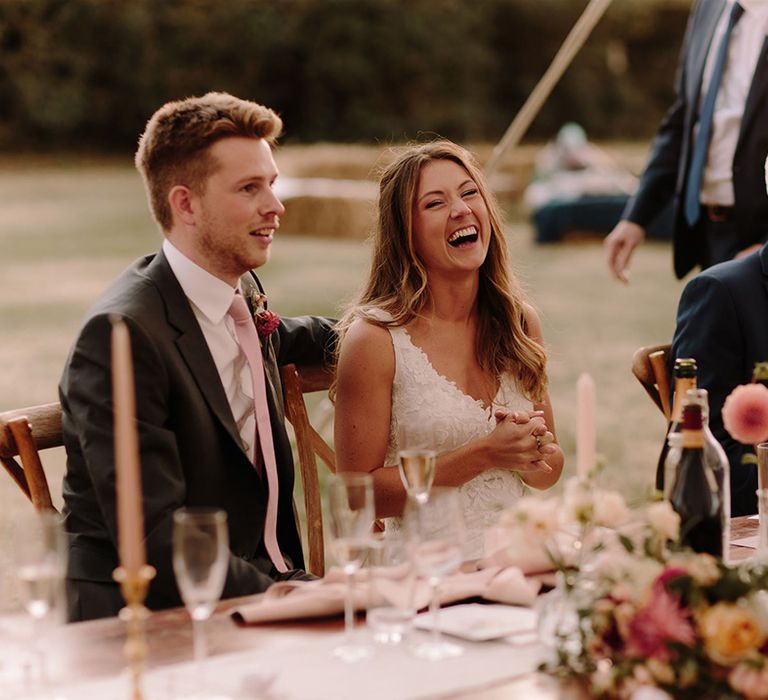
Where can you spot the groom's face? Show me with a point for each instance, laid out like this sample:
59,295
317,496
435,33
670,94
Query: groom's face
237,214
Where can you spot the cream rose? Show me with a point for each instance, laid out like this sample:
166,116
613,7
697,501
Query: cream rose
535,518
751,682
610,509
703,568
663,520
578,502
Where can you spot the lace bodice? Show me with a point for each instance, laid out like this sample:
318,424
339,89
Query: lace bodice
420,394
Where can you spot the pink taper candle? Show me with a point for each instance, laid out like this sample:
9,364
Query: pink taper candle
585,425
130,520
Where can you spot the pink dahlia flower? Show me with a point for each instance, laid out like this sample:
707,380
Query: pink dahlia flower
745,413
663,620
267,323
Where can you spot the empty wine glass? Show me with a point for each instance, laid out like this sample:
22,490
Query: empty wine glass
416,455
436,533
391,581
200,559
40,557
351,511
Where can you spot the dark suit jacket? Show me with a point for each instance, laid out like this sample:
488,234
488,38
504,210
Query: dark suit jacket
722,321
190,447
667,169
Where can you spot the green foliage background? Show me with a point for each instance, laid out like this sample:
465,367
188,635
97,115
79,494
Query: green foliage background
88,73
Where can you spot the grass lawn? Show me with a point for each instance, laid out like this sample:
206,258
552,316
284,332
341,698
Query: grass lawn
66,230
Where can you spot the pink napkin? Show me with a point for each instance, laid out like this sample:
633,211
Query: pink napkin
292,600
530,559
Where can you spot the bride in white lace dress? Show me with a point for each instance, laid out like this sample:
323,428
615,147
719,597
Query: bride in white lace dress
441,336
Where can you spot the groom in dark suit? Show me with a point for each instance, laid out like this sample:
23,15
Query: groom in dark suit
208,168
722,321
708,154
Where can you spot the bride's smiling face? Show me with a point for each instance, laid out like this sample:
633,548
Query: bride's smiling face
451,226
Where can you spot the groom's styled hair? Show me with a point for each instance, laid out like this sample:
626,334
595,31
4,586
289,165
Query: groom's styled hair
398,281
173,150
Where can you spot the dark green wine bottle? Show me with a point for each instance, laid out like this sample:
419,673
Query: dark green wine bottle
697,496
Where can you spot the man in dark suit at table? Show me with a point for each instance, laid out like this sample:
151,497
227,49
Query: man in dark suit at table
208,168
708,153
722,321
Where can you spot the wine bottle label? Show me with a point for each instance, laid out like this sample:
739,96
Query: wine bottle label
693,438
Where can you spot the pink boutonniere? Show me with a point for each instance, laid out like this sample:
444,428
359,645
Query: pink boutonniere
266,321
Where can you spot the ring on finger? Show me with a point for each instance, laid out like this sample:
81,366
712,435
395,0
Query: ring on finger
538,441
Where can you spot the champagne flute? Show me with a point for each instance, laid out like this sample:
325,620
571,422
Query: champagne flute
40,559
200,559
436,533
417,457
351,510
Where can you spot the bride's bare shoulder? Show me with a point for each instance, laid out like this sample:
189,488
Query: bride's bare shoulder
364,332
367,346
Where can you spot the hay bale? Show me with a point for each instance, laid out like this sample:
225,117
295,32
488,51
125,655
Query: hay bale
328,217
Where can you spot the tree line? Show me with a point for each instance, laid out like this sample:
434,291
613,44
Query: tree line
88,73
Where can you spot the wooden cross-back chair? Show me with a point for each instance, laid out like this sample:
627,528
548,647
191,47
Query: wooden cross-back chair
298,381
26,431
650,367
23,433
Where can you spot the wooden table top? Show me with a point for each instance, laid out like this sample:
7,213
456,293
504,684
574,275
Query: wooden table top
742,527
95,649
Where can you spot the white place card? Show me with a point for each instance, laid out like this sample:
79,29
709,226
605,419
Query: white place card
478,623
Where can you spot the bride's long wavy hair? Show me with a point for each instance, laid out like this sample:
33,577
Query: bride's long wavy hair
398,283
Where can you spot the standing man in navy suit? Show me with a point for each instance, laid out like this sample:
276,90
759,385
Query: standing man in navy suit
722,321
209,172
708,153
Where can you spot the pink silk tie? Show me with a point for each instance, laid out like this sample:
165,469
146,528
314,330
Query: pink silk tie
251,347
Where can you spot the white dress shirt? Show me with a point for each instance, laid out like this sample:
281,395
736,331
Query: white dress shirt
210,299
743,52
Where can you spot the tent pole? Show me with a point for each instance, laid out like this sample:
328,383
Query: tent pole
565,55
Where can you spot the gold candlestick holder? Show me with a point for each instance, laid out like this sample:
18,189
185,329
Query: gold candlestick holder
134,588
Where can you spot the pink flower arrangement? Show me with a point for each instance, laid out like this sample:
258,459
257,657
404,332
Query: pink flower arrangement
636,613
689,635
745,413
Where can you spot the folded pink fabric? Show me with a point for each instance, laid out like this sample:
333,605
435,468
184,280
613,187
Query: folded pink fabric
530,559
292,600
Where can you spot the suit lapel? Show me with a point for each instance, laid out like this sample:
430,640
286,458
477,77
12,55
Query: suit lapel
250,285
758,92
764,265
191,343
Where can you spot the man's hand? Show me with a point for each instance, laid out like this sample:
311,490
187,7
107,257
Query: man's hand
619,246
748,250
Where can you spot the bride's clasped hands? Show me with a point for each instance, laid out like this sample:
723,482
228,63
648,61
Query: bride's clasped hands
521,441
